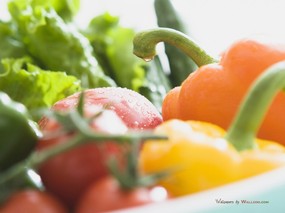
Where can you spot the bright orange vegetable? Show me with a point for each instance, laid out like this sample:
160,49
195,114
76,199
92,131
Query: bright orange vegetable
214,92
203,155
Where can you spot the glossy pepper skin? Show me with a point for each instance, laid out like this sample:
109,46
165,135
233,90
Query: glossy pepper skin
202,159
18,133
215,90
203,155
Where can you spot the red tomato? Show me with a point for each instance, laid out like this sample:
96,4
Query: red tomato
32,201
68,174
107,195
134,109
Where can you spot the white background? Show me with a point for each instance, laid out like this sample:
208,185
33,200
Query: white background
214,24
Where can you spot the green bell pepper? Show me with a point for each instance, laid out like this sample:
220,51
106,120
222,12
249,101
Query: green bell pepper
18,133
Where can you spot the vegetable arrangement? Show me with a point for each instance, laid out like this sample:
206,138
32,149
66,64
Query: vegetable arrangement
214,92
103,144
100,134
206,156
42,46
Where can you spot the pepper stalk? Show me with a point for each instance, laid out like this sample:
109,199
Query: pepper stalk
146,41
248,119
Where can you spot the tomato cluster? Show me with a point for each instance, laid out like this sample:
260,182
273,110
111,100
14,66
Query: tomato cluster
79,179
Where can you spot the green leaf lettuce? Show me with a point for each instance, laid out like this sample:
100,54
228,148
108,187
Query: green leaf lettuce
56,45
34,87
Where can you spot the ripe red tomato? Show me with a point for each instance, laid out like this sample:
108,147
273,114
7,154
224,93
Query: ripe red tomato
68,174
107,195
134,109
32,201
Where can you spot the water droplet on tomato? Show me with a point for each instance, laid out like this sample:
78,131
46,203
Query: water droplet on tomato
136,124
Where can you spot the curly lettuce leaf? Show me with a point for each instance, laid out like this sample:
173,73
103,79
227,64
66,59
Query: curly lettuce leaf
10,45
66,9
56,45
34,87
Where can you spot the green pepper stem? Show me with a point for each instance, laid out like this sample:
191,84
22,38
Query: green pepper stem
243,129
146,41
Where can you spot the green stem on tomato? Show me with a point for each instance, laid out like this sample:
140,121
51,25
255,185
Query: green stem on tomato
243,129
146,41
130,177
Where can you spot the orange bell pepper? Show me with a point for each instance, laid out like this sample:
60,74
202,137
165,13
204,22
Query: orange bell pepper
203,156
214,91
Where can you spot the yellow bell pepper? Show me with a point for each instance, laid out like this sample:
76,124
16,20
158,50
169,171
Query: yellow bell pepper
203,155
